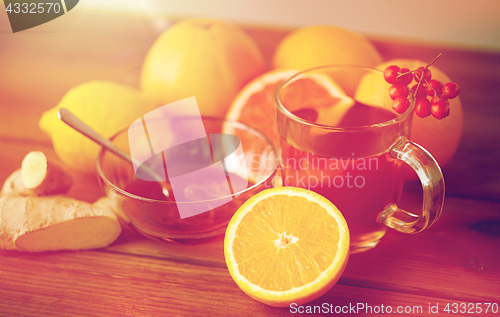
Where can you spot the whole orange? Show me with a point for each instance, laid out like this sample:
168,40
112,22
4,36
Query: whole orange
321,45
205,58
439,137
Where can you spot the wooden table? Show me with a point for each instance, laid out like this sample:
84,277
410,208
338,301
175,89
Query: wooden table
456,261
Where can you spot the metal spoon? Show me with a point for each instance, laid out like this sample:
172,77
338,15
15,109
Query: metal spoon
70,119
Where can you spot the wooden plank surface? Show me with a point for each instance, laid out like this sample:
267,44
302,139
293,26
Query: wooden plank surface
457,260
97,283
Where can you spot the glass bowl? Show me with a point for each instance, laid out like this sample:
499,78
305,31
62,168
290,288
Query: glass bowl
245,167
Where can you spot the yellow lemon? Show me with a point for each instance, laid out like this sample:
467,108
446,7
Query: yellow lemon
205,58
105,106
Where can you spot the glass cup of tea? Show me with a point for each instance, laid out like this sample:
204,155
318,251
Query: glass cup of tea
355,155
206,181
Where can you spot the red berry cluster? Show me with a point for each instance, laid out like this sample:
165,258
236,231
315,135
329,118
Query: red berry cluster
430,95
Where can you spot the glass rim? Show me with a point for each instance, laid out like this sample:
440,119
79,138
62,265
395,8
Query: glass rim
102,150
280,107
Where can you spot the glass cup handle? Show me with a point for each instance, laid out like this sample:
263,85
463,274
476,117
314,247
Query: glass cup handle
432,181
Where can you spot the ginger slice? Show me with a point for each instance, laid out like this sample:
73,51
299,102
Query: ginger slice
37,224
44,176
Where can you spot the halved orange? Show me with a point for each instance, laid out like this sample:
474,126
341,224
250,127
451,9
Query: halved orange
286,245
254,104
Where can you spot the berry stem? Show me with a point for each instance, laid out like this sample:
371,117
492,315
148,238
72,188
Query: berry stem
418,85
428,65
435,91
433,61
408,72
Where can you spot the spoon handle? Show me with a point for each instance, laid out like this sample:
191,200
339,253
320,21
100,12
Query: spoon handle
70,119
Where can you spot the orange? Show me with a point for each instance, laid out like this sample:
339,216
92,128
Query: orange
322,45
255,105
440,137
205,58
286,245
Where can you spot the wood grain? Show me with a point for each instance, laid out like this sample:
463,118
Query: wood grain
97,283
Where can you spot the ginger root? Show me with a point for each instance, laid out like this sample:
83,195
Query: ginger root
44,176
38,176
34,216
50,223
112,204
14,186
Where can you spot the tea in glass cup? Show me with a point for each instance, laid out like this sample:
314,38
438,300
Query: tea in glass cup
357,163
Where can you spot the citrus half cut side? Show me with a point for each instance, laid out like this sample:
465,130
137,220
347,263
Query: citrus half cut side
254,105
286,245
319,92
